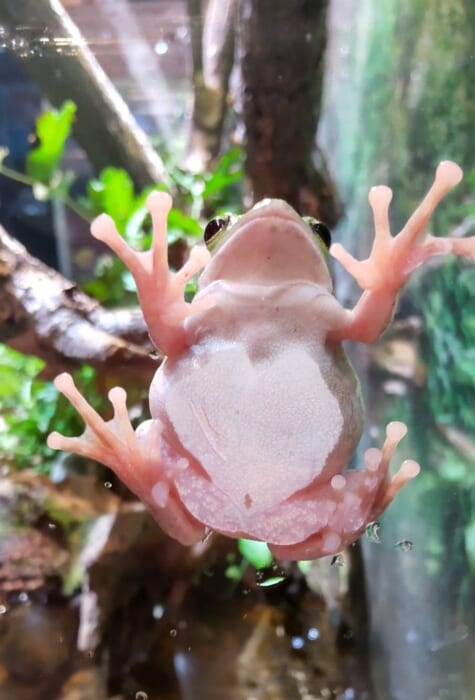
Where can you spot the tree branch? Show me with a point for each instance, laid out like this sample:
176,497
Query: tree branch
43,314
213,54
56,56
281,97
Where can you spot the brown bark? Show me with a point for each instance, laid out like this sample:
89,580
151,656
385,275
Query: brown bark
213,56
57,57
43,314
283,47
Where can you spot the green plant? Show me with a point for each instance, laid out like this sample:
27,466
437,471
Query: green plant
258,556
32,407
112,192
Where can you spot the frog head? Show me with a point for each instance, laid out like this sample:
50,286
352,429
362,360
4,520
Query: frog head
270,244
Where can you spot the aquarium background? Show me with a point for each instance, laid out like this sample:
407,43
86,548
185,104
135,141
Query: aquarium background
391,619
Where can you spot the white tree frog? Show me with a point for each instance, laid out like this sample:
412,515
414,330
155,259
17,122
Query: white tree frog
256,410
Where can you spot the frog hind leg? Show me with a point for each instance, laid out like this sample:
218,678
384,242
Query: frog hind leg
134,455
359,497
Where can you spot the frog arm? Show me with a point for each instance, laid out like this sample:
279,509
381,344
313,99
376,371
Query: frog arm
134,455
160,291
393,259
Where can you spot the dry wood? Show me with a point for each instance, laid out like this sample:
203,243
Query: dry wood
44,314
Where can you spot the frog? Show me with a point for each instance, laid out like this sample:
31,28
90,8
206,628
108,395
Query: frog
256,410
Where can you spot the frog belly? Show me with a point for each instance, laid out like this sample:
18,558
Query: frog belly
261,429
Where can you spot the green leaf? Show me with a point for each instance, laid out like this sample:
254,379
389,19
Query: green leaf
134,232
28,364
53,129
180,225
112,193
219,182
233,572
228,171
305,566
257,553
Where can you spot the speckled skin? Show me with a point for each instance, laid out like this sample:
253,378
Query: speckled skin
292,415
256,411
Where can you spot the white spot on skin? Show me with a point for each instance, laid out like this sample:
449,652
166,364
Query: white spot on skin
182,464
372,459
160,493
331,543
338,482
351,501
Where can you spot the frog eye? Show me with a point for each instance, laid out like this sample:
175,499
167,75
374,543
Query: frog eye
214,228
319,229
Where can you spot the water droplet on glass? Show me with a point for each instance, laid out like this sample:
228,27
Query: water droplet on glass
372,531
272,581
207,534
107,484
157,612
160,48
173,632
405,545
141,695
297,642
182,33
338,560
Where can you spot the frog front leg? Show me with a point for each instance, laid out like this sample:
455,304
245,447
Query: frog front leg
161,292
393,259
344,507
133,455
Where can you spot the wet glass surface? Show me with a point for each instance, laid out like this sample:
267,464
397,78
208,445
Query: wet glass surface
175,623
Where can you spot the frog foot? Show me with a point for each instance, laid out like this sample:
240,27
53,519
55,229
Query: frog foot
113,442
392,259
160,291
378,461
133,455
358,498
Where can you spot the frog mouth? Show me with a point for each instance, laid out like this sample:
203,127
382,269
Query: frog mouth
269,245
